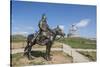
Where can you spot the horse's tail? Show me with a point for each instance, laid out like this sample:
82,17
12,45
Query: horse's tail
24,43
25,46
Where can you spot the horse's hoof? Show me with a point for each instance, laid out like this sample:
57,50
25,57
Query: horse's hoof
48,59
31,58
51,54
25,54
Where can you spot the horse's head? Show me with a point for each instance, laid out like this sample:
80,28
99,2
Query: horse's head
59,31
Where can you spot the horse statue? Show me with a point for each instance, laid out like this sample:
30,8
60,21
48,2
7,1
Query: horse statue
40,40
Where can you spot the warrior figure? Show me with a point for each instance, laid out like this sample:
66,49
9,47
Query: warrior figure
44,29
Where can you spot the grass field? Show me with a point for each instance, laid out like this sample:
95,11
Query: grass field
18,40
79,43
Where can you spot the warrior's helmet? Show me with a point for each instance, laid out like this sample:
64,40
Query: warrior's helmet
43,16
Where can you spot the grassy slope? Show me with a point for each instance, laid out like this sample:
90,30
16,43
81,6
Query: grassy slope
79,43
90,55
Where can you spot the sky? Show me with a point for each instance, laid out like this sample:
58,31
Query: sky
26,16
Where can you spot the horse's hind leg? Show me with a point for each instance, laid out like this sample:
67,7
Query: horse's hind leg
29,52
26,46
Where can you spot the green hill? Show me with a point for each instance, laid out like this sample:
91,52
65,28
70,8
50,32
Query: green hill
17,38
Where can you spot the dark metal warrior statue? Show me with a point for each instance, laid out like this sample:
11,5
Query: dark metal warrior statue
45,36
44,29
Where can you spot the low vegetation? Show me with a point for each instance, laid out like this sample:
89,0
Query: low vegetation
90,55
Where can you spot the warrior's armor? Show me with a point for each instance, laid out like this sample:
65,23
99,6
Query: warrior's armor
43,26
44,30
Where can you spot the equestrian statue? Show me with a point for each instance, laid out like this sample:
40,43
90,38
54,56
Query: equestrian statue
44,37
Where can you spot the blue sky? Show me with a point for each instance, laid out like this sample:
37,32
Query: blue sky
26,15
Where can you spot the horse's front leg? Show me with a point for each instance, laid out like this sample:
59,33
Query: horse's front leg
48,49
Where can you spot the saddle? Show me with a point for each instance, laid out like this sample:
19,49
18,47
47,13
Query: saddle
43,37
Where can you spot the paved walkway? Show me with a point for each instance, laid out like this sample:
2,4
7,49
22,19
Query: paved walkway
77,57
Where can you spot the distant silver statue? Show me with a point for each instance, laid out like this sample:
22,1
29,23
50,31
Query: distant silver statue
73,31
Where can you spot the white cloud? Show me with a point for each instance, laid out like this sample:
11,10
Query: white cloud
61,26
23,27
16,28
83,23
20,33
30,28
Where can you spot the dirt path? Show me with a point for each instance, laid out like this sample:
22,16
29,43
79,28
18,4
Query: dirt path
14,51
58,59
